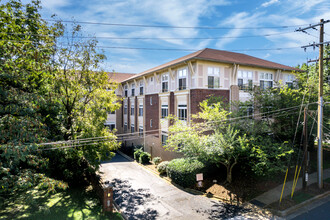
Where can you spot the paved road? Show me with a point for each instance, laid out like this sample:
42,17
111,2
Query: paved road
317,211
142,195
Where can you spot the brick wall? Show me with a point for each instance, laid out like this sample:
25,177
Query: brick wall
198,95
120,118
171,106
136,111
152,112
128,115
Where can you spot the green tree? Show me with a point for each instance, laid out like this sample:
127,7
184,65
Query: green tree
26,47
210,138
226,148
85,95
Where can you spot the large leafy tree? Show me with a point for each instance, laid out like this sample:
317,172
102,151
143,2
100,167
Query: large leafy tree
49,91
26,47
84,93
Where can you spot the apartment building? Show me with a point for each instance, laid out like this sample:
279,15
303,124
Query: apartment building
114,118
177,88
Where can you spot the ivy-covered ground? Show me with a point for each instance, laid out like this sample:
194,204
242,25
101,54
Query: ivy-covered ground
69,204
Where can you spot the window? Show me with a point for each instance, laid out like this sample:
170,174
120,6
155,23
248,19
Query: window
164,111
246,111
182,75
141,87
150,100
140,110
289,81
164,139
132,109
151,123
133,89
165,83
132,128
245,80
151,79
266,80
182,112
125,109
125,127
111,126
213,79
126,90
112,112
140,131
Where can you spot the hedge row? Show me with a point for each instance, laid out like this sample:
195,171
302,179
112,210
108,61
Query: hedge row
183,171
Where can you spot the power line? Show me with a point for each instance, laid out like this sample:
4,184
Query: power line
168,49
162,26
148,38
165,26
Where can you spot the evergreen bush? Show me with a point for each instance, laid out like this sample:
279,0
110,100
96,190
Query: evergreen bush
162,167
144,157
137,154
157,160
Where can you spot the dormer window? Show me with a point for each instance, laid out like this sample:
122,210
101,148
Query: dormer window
266,80
126,90
289,81
245,80
182,75
133,89
165,83
213,77
141,87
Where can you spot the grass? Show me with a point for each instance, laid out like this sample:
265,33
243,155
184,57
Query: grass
300,197
70,204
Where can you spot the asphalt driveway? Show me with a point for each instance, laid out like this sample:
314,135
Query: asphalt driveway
141,194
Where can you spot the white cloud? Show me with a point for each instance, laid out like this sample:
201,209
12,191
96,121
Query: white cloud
269,3
238,21
54,4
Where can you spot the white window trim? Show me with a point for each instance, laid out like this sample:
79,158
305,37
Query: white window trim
215,75
183,108
240,75
161,111
182,77
166,75
266,80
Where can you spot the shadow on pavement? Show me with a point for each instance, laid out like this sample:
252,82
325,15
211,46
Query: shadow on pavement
131,200
116,159
224,211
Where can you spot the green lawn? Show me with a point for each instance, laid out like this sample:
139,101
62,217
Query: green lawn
70,204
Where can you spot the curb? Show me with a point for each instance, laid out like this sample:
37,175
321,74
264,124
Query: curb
293,209
124,155
120,211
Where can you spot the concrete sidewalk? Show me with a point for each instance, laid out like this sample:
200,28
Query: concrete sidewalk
274,194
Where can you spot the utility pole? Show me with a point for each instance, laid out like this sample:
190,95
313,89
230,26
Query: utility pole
305,167
320,112
320,99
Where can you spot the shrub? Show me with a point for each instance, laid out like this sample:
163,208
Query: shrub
183,171
162,167
145,157
137,154
157,160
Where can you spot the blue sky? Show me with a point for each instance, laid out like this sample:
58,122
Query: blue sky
237,16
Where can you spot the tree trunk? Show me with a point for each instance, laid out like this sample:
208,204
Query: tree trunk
229,178
229,171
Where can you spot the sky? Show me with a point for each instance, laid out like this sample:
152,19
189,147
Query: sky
253,27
